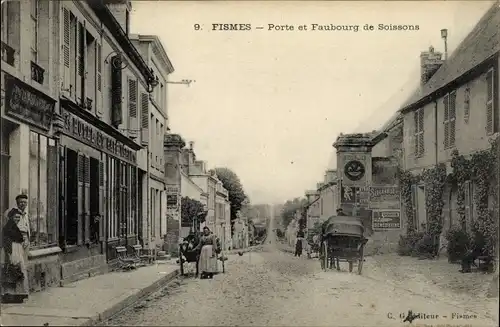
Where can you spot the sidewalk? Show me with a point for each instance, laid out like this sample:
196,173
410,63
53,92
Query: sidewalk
88,301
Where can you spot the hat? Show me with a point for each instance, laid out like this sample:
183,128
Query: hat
340,209
22,196
13,212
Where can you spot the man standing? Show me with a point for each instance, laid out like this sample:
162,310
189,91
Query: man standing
24,223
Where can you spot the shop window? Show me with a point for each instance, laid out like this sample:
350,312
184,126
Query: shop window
112,214
133,201
42,190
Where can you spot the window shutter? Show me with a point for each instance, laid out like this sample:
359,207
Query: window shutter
144,118
414,205
452,115
102,210
490,124
467,204
132,107
86,206
421,132
66,82
98,82
81,180
446,121
80,69
415,115
116,91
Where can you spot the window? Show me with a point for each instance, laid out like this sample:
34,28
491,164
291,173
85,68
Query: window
469,205
34,30
42,190
133,200
491,114
112,200
10,31
419,132
450,114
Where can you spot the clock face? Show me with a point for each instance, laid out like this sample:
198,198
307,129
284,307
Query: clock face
354,170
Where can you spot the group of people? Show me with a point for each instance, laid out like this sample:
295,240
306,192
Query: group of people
207,248
14,253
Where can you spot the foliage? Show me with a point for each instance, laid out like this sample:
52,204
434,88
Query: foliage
407,180
290,208
458,243
434,181
482,170
407,244
232,184
191,209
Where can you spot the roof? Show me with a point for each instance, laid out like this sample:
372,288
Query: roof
158,49
481,44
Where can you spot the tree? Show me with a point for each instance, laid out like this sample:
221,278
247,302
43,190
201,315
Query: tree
191,209
290,208
232,184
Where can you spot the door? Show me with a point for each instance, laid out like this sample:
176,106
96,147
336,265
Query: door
95,198
71,199
83,198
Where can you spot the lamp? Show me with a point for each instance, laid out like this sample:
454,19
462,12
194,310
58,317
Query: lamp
444,33
152,82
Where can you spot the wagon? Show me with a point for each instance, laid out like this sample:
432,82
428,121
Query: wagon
342,240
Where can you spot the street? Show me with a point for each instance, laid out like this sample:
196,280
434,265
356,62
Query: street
273,288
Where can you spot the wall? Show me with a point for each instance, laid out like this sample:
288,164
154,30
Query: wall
189,188
470,134
328,201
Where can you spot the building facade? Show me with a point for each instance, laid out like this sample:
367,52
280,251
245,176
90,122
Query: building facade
74,83
153,125
221,220
456,109
29,148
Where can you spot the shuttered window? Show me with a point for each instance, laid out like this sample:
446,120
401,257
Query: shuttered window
132,98
449,102
419,132
145,118
66,50
98,77
490,108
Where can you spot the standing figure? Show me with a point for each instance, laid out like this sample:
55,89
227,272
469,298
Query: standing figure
209,247
298,244
15,286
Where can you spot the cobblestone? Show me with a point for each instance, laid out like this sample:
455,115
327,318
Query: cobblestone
274,288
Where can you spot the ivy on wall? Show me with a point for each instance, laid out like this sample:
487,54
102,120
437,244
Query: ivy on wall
407,180
434,180
481,169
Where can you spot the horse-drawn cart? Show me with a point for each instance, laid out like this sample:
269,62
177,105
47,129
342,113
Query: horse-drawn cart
342,240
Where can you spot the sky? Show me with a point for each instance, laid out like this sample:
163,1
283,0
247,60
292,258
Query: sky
270,104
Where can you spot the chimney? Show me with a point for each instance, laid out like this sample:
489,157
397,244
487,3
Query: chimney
121,10
430,61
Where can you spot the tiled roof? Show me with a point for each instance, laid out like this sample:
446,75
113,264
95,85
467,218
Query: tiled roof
479,45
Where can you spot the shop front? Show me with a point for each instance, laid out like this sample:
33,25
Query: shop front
29,159
99,191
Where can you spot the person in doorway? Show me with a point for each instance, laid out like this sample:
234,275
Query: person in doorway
209,247
15,287
94,227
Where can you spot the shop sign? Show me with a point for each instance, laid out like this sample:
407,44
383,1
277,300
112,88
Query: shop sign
385,197
172,201
90,135
28,104
354,195
386,219
354,169
172,190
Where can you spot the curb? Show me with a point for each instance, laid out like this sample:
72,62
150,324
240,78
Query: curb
132,299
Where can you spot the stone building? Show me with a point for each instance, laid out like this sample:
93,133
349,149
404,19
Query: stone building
74,83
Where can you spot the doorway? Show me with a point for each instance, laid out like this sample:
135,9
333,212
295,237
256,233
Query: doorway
421,209
71,183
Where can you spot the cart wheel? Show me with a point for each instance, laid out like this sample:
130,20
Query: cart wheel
181,263
351,266
325,260
361,259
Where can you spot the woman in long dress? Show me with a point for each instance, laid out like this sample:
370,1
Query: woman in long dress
14,244
209,246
